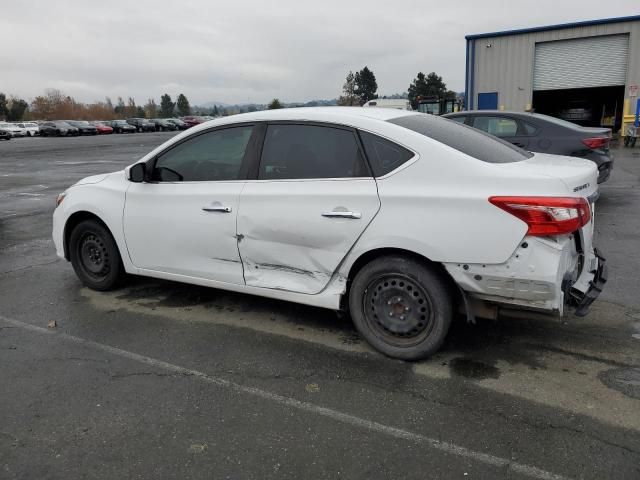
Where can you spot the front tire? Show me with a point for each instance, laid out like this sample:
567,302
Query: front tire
401,306
95,256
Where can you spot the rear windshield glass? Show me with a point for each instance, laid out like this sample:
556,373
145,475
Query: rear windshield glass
463,138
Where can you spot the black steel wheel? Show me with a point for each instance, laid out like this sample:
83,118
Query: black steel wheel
401,306
95,256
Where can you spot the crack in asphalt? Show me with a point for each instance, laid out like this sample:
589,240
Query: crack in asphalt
27,267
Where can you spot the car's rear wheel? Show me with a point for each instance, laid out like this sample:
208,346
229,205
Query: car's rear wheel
401,306
95,256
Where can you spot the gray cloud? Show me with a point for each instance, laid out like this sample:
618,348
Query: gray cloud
251,51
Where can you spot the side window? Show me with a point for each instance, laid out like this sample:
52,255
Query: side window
309,151
498,126
210,156
384,156
460,119
529,129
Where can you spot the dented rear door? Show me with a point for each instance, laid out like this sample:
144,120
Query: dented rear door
312,200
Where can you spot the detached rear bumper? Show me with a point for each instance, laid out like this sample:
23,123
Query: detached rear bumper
595,286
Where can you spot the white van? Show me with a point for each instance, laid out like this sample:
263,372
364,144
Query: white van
397,103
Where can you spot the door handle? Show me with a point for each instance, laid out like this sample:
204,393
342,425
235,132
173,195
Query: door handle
338,214
217,208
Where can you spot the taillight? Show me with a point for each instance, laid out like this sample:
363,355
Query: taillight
547,215
596,143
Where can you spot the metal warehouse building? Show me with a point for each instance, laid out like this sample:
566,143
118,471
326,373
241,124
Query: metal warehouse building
586,72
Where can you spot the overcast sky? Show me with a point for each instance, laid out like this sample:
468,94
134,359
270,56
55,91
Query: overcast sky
239,51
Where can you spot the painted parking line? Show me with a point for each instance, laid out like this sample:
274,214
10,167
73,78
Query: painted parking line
346,418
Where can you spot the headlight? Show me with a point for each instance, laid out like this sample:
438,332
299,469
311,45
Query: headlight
60,198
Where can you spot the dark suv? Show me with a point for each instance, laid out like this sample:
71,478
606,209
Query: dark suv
142,124
121,126
544,134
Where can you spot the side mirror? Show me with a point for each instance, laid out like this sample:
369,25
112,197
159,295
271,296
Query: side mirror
138,173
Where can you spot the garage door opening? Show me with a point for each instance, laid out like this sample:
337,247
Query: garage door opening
589,107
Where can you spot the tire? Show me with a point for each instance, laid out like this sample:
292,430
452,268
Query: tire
95,256
633,142
401,306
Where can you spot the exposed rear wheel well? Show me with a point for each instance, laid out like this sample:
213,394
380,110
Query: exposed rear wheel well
74,220
367,257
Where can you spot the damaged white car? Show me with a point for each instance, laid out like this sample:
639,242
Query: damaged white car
401,218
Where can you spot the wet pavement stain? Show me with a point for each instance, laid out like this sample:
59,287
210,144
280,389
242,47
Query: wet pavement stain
473,369
624,380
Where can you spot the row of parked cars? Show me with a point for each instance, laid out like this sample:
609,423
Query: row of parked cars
63,128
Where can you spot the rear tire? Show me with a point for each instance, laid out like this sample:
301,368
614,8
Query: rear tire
401,306
95,256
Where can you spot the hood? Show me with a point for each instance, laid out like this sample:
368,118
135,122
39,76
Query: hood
92,179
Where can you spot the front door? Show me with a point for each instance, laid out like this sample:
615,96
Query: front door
184,221
313,198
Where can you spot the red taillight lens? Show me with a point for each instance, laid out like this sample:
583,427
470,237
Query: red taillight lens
547,215
596,143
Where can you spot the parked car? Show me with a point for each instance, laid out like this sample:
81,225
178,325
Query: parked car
163,124
399,217
31,128
14,130
178,123
121,126
102,128
57,128
84,127
142,124
192,121
4,134
544,134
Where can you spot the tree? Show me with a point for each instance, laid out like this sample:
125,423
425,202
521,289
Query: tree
151,109
365,85
17,107
166,106
3,106
349,97
275,104
426,86
184,108
120,108
215,111
140,113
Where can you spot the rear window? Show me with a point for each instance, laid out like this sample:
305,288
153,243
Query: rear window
463,138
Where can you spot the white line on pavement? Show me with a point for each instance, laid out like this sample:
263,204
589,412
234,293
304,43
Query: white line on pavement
342,417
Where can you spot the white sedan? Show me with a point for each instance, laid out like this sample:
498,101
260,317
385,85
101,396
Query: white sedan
401,218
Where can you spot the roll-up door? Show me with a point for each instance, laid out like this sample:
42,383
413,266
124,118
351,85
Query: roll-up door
581,62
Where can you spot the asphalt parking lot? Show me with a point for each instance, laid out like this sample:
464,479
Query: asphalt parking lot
163,380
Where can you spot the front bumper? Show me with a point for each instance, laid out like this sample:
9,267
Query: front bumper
595,286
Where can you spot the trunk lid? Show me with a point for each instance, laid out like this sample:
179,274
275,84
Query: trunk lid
579,175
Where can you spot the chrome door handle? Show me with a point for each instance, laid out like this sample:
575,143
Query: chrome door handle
338,214
217,208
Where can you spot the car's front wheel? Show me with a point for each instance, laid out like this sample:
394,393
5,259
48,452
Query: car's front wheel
403,307
95,256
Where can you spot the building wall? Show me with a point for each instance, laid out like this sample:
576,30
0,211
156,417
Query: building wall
507,66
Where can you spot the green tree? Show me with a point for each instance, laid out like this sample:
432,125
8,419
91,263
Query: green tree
3,106
365,85
349,97
17,107
426,86
140,113
166,106
215,111
120,108
275,104
183,106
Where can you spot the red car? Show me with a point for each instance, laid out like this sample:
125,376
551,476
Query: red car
102,128
192,121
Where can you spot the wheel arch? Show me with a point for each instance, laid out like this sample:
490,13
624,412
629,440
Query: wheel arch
368,256
75,219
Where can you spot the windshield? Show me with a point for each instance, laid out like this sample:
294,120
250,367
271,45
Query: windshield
463,138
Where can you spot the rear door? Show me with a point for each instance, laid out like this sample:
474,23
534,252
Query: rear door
313,197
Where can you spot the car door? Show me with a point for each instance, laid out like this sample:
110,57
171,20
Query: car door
504,127
313,197
183,221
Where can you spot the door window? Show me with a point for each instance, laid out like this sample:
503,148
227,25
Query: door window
212,156
498,126
309,151
384,156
